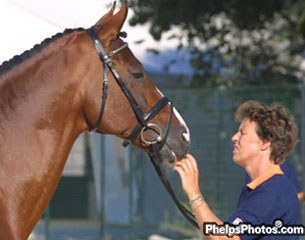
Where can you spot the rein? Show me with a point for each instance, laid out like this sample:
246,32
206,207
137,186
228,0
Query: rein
163,176
143,124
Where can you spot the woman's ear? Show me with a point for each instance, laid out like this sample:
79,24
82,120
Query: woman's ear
266,145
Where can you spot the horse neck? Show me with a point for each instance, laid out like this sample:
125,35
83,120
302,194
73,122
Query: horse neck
40,118
40,111
41,93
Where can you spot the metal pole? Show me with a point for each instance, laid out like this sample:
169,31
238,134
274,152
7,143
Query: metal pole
130,192
47,223
302,126
220,145
102,199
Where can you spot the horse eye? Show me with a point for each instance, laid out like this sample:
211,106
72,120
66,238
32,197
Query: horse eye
137,75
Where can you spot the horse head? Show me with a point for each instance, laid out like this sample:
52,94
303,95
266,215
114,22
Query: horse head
131,107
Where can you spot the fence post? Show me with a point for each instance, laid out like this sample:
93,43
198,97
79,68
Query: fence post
220,131
47,223
302,137
102,203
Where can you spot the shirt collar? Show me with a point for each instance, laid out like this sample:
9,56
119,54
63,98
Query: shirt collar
270,172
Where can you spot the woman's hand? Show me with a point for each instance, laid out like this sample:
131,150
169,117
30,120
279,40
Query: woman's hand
189,174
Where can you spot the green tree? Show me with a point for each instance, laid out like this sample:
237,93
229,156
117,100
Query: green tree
232,41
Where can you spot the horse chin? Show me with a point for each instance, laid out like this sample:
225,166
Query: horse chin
169,156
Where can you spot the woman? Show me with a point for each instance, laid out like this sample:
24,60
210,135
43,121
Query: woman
266,135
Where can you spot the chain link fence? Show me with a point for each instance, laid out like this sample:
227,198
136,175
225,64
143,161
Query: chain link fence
146,207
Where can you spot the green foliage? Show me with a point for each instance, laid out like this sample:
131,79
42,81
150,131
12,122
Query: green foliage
234,41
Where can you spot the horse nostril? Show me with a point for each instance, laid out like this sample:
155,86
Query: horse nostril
186,136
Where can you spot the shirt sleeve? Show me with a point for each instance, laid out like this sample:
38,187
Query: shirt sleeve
258,209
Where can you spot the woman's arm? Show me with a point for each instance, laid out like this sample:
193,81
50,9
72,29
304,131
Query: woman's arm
189,174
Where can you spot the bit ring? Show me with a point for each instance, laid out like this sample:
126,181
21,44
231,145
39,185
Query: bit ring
155,128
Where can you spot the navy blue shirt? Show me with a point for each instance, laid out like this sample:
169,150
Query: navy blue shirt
268,198
289,171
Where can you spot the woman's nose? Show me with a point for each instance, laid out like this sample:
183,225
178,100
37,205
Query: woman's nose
234,137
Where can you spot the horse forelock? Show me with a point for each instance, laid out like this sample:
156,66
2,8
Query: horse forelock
18,59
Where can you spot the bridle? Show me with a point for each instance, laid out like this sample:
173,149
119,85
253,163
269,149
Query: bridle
143,125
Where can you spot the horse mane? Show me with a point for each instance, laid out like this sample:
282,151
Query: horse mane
18,59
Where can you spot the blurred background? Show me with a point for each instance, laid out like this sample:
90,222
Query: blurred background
208,57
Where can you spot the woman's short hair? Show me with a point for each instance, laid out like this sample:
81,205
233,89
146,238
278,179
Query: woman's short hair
273,123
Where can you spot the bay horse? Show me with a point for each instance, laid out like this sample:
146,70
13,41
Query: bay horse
52,93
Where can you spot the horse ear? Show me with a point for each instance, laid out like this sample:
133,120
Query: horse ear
107,16
120,17
112,27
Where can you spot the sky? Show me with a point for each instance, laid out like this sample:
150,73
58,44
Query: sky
24,23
